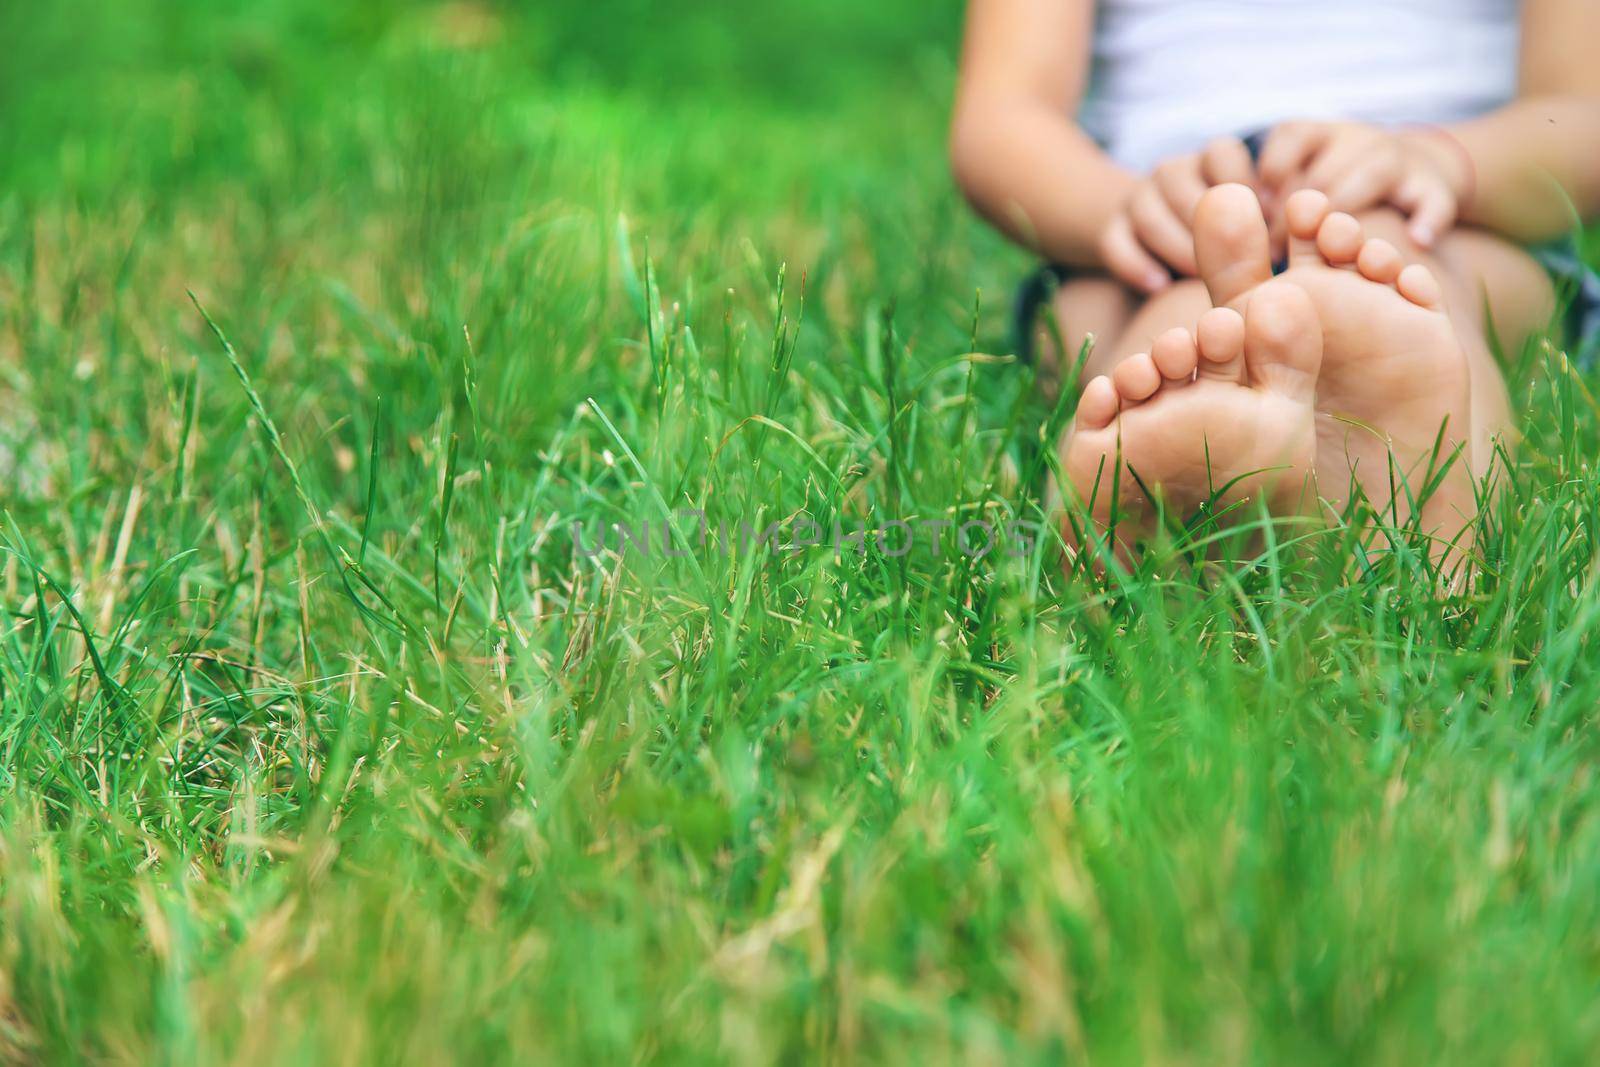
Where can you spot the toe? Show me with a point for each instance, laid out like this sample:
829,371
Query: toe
1136,377
1340,238
1231,242
1220,334
1283,339
1098,405
1305,213
1418,285
1379,261
1175,355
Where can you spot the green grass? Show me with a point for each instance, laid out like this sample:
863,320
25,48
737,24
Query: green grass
321,742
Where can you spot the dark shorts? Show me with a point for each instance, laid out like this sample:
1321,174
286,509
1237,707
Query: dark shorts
1576,282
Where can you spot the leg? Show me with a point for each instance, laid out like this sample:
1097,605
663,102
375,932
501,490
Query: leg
1091,306
1181,304
1121,325
1500,277
1491,275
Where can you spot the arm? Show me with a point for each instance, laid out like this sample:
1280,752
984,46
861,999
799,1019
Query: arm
1538,159
1016,152
1027,167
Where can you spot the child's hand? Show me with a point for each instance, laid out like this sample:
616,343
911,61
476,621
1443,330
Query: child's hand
1360,167
1153,236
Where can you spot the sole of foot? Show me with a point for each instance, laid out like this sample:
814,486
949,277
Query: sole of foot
1223,414
1387,394
1395,395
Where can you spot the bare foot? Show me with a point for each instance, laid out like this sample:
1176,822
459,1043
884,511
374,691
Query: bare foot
1225,413
1365,334
1394,397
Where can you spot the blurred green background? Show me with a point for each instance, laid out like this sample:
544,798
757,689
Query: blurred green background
319,742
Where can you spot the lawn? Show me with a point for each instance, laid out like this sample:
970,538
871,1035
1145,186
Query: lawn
334,336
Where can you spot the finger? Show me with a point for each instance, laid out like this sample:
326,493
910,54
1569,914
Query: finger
1289,148
1227,160
1182,186
1128,261
1431,209
1159,230
1365,184
1344,157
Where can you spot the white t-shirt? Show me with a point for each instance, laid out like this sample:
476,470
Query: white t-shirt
1169,75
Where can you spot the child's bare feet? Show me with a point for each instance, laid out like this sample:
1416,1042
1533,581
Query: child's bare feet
1224,413
1349,341
1394,373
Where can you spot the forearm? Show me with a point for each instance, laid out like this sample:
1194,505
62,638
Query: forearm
1037,177
1536,163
